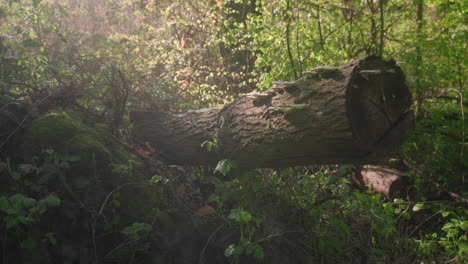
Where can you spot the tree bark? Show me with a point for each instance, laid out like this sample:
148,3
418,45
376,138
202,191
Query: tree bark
356,113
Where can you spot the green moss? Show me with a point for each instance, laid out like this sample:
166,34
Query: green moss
91,177
65,133
92,148
51,131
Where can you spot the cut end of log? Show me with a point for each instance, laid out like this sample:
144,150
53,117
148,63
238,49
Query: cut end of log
387,181
378,103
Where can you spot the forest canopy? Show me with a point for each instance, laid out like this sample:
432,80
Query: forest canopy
79,187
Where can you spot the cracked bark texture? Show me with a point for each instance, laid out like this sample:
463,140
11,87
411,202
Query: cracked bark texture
356,113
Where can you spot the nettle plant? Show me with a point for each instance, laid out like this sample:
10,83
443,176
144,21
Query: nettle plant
248,226
25,203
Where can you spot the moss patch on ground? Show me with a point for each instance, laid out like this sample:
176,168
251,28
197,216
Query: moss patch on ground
92,167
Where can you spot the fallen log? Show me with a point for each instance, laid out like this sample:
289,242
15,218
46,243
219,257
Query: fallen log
389,182
353,114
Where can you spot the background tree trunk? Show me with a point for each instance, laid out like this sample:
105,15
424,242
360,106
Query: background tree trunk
356,113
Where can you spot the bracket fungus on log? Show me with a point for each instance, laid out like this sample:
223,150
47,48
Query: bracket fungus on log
355,113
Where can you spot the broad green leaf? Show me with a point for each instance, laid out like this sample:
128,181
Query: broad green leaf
250,249
245,216
53,200
17,198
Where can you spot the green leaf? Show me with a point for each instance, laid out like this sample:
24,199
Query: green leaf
245,216
259,253
29,202
137,228
155,179
250,249
446,213
28,243
4,204
230,250
238,250
224,166
418,207
15,175
17,198
53,200
234,215
11,223
213,198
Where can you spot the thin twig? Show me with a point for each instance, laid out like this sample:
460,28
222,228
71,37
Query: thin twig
207,242
21,123
116,189
422,202
275,235
119,246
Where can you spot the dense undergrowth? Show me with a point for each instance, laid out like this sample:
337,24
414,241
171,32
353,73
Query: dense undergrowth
76,188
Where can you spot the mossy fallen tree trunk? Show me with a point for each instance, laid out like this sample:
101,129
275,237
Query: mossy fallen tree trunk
355,113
